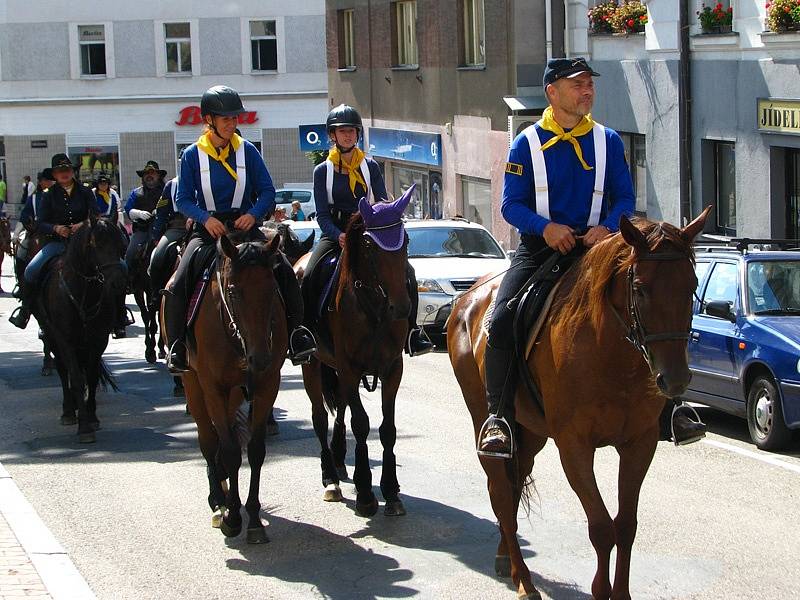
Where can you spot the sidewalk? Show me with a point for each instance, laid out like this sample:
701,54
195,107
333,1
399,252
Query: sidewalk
18,576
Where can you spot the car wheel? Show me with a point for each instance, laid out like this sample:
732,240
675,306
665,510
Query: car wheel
765,416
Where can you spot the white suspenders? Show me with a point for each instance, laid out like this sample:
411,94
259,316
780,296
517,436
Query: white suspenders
205,179
111,196
540,173
329,180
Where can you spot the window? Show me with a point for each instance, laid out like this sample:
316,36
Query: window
347,44
263,46
431,242
725,187
722,284
178,41
402,178
792,194
635,155
473,44
93,160
92,40
404,34
477,196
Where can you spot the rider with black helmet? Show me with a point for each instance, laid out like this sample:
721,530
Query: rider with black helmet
223,180
339,183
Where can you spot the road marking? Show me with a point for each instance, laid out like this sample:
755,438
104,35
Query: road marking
56,570
750,454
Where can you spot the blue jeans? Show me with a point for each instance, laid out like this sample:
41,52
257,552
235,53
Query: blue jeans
34,269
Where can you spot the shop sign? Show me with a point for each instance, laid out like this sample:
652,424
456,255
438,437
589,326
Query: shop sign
411,146
313,137
190,115
779,116
38,143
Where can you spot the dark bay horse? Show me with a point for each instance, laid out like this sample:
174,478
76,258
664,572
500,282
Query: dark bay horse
597,387
76,310
366,326
147,300
5,243
291,245
236,350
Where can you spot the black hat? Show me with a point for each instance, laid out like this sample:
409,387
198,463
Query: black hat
221,100
559,68
104,177
343,116
45,174
61,161
151,164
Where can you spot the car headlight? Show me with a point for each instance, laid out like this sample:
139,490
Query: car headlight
429,285
798,366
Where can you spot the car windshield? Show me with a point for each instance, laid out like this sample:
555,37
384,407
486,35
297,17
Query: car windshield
774,287
303,233
464,242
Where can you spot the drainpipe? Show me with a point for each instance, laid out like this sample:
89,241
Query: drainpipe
548,31
371,66
685,116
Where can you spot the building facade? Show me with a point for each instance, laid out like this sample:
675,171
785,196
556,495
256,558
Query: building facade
117,84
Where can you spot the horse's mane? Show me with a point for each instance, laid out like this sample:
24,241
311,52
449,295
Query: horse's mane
585,301
76,255
355,229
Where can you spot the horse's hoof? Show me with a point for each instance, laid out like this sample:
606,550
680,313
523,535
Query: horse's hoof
150,356
87,437
177,392
341,473
216,518
534,595
273,429
68,420
229,531
367,509
257,535
394,508
502,565
162,354
332,493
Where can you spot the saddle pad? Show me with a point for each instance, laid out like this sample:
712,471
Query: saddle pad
197,294
329,269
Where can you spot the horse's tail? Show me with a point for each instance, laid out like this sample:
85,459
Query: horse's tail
330,382
106,378
523,487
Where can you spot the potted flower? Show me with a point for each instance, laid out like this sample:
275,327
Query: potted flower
600,17
715,20
631,17
783,15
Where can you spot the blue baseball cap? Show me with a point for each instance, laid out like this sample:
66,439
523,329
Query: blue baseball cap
559,68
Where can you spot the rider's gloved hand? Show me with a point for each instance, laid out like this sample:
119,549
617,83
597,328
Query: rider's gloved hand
140,215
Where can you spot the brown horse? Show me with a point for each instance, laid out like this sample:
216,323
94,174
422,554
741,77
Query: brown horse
237,348
614,345
5,243
363,334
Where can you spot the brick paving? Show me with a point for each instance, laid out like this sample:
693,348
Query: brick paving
18,576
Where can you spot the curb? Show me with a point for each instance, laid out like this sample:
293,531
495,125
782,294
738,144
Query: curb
56,570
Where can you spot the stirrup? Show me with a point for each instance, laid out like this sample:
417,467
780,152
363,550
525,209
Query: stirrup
170,366
423,335
492,421
129,318
696,419
301,358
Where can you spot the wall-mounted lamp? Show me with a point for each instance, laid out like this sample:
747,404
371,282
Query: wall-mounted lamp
388,79
419,78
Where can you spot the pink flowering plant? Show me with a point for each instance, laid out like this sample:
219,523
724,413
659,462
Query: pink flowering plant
783,14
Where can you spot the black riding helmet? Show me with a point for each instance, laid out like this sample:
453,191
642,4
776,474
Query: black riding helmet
343,116
222,101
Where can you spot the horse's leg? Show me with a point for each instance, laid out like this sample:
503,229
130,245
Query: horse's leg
68,417
47,360
230,453
209,447
577,459
330,387
92,379
79,389
256,450
366,502
390,488
312,381
634,461
149,341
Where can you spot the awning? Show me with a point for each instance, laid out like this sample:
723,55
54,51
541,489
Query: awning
516,103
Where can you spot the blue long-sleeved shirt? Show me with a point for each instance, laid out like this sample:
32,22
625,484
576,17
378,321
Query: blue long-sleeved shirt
190,198
570,185
29,212
165,209
103,208
343,199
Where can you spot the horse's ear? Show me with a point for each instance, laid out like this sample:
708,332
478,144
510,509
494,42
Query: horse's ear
306,246
693,229
226,247
275,243
632,235
364,207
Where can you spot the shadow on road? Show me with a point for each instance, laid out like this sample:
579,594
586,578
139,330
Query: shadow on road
735,428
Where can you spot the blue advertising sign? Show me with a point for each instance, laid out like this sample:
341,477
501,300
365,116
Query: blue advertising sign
313,137
413,146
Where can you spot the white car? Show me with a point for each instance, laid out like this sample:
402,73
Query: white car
448,257
285,196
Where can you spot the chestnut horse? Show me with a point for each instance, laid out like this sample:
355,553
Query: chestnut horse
613,346
364,332
5,243
237,349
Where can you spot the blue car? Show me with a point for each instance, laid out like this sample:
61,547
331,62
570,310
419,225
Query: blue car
744,345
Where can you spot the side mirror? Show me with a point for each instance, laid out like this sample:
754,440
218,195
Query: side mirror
511,253
721,309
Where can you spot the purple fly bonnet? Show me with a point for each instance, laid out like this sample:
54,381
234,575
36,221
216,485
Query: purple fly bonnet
384,220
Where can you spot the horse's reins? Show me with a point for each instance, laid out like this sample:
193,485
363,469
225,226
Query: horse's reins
376,288
636,334
85,314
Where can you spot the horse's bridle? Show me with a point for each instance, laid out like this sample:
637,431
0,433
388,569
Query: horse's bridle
374,286
636,334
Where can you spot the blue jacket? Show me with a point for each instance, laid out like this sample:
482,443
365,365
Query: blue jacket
343,198
259,185
165,210
28,216
103,208
570,185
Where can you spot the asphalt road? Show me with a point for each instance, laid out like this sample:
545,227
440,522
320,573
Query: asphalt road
717,519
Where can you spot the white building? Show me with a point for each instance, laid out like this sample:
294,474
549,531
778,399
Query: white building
115,84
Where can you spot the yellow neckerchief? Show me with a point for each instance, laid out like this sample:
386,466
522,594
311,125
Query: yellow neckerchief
353,169
106,197
204,144
582,128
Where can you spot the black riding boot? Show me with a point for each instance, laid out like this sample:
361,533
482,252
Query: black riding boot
22,314
418,342
121,321
301,341
677,418
496,438
175,327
